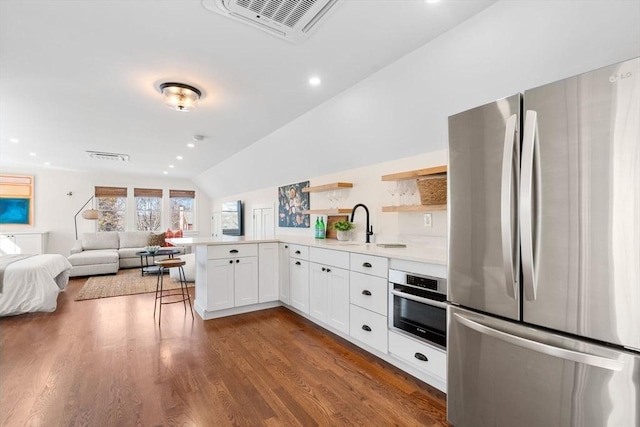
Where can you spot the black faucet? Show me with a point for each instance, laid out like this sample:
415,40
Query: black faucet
369,230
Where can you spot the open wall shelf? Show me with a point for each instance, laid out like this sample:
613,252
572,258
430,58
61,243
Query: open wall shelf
414,208
415,173
327,187
338,211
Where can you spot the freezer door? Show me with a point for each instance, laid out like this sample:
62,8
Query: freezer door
483,258
580,205
502,374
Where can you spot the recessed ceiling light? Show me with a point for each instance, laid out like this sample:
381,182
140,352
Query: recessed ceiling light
14,140
32,153
314,81
191,145
179,157
432,1
47,163
171,166
165,172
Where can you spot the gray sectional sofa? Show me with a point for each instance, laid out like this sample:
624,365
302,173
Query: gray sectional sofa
107,252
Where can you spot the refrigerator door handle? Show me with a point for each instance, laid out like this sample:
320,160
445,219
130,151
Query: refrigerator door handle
506,199
562,353
529,149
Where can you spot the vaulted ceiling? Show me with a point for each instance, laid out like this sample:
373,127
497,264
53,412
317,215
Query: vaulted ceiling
84,75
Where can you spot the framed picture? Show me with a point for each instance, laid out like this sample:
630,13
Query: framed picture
16,199
291,203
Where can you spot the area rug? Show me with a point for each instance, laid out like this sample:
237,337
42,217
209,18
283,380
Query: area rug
126,282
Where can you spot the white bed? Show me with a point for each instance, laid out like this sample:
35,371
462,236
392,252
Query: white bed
33,284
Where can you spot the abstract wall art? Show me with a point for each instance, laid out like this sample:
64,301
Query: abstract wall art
291,204
16,199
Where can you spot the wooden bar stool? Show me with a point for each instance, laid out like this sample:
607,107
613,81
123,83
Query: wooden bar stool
161,293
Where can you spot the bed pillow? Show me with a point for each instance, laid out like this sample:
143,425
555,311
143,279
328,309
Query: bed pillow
102,240
156,240
134,239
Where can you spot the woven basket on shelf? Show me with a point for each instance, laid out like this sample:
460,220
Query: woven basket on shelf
433,189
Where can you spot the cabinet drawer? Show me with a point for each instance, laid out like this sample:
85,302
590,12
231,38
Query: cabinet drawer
232,251
299,251
329,257
374,265
368,292
412,352
368,327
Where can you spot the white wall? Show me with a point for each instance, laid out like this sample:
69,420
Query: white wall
54,210
402,110
368,188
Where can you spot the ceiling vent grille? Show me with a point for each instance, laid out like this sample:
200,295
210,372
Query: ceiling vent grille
108,156
289,19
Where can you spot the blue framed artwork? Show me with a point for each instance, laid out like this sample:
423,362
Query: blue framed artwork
291,204
14,211
16,199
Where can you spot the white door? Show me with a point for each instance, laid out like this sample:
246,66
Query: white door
263,222
216,224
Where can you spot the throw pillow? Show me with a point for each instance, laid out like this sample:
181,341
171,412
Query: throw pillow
177,233
156,240
168,235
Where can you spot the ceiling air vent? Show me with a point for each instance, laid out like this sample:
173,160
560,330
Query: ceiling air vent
108,156
289,19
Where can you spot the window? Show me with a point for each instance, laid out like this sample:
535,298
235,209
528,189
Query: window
182,209
112,205
148,209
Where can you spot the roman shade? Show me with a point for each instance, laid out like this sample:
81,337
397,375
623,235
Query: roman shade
111,191
147,192
190,194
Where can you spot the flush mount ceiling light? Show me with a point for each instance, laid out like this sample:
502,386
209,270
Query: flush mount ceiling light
179,96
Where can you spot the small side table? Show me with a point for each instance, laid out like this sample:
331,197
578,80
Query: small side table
153,269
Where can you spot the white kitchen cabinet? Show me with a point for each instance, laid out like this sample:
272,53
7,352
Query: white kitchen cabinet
299,282
23,243
422,356
245,281
369,292
369,328
268,272
283,260
232,276
220,276
329,287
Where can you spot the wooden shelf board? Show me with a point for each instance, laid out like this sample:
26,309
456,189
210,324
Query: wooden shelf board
327,211
414,208
327,187
415,173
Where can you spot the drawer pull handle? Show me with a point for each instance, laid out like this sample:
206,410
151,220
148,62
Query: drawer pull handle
366,328
237,260
324,269
421,356
286,246
366,292
297,252
298,263
230,261
233,251
366,264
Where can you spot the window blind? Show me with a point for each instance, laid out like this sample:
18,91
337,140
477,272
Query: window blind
147,192
182,193
111,192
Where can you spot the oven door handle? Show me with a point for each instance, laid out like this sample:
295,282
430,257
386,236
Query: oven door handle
419,299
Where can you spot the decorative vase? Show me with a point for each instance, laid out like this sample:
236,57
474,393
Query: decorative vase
344,234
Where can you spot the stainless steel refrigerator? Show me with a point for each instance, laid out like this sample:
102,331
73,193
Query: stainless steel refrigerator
544,256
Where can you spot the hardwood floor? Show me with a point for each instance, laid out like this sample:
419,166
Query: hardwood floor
106,363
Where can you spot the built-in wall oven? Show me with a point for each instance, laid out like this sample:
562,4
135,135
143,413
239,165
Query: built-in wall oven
417,306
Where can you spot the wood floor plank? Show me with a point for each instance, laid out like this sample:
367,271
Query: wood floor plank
106,362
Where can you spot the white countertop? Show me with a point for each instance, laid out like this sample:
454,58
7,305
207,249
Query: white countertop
413,251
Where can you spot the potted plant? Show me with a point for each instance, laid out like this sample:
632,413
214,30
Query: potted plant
344,229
